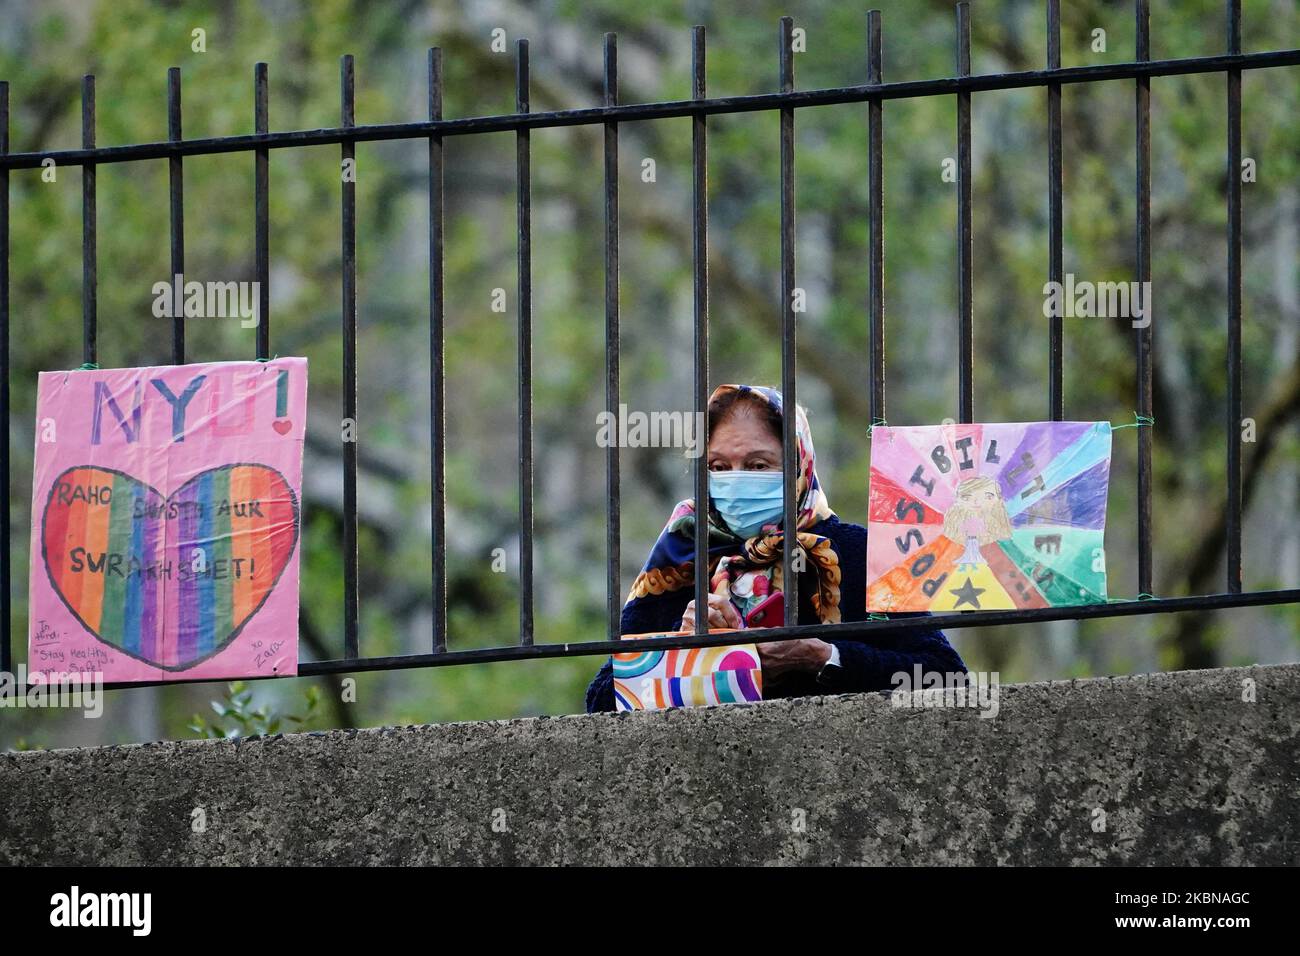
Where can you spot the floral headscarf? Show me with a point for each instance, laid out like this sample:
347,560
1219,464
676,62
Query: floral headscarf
748,571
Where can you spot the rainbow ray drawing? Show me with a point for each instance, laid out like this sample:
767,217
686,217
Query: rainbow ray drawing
996,516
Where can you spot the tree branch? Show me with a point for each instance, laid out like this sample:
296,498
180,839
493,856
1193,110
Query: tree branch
1190,637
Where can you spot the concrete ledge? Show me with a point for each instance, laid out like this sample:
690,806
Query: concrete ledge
1185,771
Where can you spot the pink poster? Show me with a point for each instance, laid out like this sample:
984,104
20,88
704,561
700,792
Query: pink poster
166,508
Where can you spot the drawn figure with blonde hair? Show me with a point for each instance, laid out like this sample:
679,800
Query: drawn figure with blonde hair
978,516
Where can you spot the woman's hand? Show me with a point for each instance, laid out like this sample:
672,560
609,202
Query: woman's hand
782,658
722,613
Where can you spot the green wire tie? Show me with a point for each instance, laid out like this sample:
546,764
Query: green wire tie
1138,422
877,617
1142,596
874,423
88,367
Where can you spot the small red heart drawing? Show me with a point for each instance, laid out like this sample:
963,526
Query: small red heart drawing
282,425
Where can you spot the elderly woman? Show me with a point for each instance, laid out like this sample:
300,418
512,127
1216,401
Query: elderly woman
745,546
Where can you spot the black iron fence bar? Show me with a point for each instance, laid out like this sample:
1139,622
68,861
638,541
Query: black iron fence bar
789,440
876,224
700,324
843,631
176,190
1055,254
89,249
855,630
351,427
1233,527
965,306
6,606
437,377
1145,340
523,159
908,89
613,552
262,212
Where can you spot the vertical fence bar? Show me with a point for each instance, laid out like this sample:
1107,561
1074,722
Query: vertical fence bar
176,188
348,241
89,226
789,442
523,171
1233,529
261,212
1055,256
700,377
1145,358
437,342
876,223
614,604
6,607
965,308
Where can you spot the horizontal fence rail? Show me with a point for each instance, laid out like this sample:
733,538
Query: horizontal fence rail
609,115
591,116
856,630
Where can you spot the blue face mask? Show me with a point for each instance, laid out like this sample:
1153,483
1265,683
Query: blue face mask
747,500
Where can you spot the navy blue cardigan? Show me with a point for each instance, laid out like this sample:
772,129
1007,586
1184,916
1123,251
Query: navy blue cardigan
867,665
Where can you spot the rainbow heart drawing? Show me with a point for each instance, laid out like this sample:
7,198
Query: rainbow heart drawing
169,580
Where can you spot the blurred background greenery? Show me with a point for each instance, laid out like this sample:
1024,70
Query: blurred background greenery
129,44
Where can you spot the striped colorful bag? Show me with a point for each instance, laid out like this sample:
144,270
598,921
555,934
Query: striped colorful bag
689,677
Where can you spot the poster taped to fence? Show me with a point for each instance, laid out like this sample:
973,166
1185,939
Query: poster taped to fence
974,517
166,521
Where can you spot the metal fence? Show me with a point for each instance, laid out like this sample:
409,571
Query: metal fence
875,92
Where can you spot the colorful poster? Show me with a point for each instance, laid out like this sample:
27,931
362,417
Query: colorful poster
690,677
166,507
987,516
